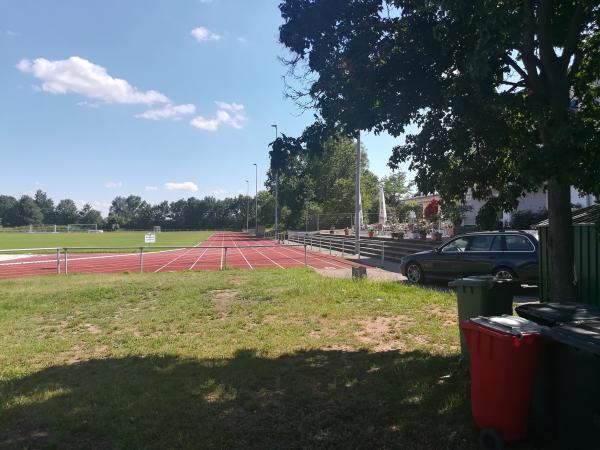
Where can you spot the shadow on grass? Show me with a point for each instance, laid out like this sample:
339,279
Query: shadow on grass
313,399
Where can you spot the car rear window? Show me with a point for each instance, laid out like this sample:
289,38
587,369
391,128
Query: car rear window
481,243
518,244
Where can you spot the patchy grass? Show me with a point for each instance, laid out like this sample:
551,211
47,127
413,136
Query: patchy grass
234,359
10,240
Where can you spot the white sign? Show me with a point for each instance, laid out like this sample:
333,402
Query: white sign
150,238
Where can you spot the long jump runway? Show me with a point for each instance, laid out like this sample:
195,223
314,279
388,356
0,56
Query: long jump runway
242,252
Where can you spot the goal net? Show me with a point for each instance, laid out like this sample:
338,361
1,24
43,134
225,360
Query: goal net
82,228
42,228
156,229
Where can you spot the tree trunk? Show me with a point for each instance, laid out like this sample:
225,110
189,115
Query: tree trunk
560,243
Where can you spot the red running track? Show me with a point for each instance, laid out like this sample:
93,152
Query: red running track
207,255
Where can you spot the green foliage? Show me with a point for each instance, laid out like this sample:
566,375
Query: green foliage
319,177
395,186
488,217
28,212
524,220
455,212
66,212
504,94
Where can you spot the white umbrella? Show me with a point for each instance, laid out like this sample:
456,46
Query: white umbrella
382,209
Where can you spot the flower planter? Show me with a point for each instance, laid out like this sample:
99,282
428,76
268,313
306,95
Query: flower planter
437,236
371,233
423,235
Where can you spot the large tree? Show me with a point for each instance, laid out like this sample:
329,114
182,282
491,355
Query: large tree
504,93
66,212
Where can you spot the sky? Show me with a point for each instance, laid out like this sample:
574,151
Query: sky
162,99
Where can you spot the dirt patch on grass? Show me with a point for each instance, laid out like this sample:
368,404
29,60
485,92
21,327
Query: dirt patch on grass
93,329
383,333
223,298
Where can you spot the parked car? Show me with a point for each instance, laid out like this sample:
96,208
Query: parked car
506,254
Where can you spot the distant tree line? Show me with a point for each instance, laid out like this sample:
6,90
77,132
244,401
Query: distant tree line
133,212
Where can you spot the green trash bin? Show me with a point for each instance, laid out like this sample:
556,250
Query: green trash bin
484,296
577,365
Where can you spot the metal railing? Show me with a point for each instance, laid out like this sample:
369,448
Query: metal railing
58,259
378,251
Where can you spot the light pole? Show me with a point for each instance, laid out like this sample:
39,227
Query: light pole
357,202
247,204
256,198
276,194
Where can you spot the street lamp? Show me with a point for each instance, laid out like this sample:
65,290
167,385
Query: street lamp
247,204
256,198
276,194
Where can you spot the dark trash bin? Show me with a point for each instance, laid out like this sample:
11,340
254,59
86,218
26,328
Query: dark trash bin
577,368
552,314
483,295
503,362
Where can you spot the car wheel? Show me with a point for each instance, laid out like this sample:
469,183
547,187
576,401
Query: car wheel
414,274
504,273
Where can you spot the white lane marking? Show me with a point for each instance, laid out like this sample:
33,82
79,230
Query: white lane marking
274,262
196,262
175,259
243,256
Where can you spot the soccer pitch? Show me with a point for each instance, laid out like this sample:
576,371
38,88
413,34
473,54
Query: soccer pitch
10,240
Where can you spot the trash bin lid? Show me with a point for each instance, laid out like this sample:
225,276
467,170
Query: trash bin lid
516,326
582,335
552,314
488,281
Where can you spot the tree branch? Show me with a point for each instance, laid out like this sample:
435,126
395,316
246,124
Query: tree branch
528,53
512,63
572,39
547,54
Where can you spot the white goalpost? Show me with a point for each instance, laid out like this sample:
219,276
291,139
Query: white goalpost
82,228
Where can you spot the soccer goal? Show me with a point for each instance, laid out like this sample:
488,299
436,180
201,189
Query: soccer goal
82,228
43,228
156,229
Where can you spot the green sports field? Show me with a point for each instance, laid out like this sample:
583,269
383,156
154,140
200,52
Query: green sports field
9,240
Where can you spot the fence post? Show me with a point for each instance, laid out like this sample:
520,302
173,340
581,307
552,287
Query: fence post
330,246
224,266
66,261
58,261
141,259
382,254
343,247
305,256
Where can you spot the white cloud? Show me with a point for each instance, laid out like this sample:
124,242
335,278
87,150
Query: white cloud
205,35
80,76
169,111
205,124
231,114
185,186
113,184
151,188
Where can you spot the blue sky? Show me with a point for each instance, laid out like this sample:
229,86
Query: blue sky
163,99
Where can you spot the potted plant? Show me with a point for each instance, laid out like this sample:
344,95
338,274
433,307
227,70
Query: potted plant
436,235
371,231
347,231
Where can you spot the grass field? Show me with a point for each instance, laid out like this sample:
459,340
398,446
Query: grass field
235,359
9,240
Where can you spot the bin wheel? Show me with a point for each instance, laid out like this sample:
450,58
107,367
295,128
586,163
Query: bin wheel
489,439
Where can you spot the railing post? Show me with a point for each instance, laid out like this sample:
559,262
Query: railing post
343,247
66,261
224,259
382,253
141,259
305,256
58,261
330,246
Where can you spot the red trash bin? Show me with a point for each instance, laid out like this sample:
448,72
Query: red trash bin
503,361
